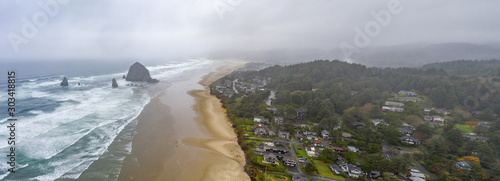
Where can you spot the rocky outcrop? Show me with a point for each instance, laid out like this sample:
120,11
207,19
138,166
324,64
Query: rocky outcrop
64,82
114,84
137,72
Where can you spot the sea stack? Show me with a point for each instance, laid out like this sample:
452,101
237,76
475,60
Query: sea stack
114,84
137,72
64,82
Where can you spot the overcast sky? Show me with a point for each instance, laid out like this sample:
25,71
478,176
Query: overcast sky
115,29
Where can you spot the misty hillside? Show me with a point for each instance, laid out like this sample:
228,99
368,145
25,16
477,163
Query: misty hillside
407,55
467,67
419,55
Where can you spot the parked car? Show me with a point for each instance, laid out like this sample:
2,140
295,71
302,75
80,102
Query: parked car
302,160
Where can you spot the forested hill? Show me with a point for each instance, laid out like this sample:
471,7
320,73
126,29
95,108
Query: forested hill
468,67
339,79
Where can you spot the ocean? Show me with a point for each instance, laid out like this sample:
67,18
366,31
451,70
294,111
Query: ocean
61,131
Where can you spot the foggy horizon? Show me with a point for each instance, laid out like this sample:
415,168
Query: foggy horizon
152,30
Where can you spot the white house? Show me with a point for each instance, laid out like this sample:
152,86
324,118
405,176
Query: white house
311,151
354,171
325,134
352,148
260,119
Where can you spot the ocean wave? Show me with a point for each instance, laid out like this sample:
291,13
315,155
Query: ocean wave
67,131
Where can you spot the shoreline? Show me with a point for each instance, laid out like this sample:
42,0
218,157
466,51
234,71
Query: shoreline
183,133
216,124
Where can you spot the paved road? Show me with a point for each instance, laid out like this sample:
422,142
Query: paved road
386,147
300,173
294,155
234,86
270,98
423,170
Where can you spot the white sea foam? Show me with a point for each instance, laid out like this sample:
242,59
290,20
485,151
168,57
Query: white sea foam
93,111
36,112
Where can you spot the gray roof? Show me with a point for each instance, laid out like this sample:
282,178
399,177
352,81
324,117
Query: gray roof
405,130
335,167
475,137
409,137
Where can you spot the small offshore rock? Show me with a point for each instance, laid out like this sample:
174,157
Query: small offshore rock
64,82
114,84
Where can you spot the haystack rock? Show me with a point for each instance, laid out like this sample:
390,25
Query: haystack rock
114,84
138,72
64,82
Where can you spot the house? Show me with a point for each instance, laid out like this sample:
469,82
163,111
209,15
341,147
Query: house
301,113
289,161
409,140
416,175
378,121
485,124
346,136
284,134
392,109
311,151
434,118
261,132
354,171
260,119
412,99
278,120
335,169
427,109
262,145
343,165
475,137
375,175
352,148
405,131
270,158
337,149
406,125
443,111
310,133
300,126
275,149
325,134
298,136
395,104
463,165
407,93
358,125
312,137
271,133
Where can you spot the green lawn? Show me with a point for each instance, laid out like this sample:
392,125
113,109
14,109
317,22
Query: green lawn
301,152
464,128
324,170
275,177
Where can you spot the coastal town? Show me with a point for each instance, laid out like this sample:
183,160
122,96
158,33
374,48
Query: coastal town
284,143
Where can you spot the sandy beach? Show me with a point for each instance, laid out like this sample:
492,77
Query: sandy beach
183,133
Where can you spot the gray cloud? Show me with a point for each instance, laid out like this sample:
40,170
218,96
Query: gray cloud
167,29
